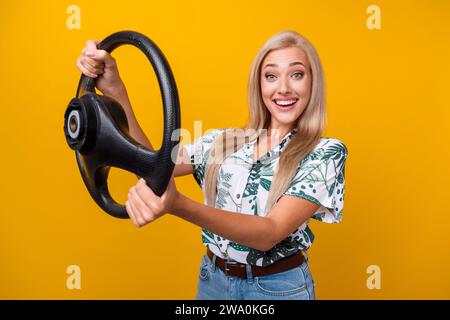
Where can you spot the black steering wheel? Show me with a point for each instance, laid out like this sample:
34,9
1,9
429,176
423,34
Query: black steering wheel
96,127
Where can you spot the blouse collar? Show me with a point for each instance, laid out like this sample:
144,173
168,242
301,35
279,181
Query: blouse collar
275,151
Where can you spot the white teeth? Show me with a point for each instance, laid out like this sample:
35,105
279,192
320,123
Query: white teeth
285,103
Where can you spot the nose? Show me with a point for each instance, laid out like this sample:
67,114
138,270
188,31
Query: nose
284,87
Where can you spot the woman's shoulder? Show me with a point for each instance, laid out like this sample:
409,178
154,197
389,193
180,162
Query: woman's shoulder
330,144
210,135
328,148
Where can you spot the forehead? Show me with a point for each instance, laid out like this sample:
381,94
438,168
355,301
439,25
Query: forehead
283,57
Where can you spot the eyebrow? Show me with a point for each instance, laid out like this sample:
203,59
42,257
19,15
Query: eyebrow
290,65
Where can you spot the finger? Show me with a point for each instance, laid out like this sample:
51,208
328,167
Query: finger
148,209
164,195
130,212
138,220
91,48
94,63
83,69
141,212
145,193
105,57
169,188
95,70
140,205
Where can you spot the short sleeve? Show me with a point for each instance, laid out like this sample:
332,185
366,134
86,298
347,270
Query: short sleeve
198,152
320,178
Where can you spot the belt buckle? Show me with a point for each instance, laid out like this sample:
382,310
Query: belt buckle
228,263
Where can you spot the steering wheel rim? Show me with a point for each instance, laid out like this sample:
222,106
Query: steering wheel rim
112,146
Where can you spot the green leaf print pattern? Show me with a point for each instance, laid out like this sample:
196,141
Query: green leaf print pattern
251,190
208,237
200,163
239,247
314,173
199,171
223,187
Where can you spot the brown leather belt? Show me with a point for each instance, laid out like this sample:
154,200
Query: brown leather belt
237,269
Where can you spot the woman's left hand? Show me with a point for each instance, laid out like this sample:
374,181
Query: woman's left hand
143,206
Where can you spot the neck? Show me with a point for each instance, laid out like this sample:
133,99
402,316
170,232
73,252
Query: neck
275,133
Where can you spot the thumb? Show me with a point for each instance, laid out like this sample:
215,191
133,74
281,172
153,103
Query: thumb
107,58
170,187
91,46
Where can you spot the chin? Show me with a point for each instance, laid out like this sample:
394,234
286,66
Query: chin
285,121
285,117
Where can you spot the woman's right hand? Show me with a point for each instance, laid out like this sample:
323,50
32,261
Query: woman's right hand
100,65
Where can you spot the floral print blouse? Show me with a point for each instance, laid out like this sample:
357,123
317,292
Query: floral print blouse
243,186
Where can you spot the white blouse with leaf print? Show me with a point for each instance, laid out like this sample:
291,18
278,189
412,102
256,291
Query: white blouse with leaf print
243,187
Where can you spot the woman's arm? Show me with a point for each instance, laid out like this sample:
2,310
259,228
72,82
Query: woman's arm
261,233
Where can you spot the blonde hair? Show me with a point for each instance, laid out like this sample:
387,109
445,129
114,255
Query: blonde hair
309,125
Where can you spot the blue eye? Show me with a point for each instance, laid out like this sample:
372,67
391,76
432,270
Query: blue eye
296,75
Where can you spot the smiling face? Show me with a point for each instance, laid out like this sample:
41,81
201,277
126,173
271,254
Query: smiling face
285,86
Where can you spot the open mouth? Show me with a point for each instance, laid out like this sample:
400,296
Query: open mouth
285,103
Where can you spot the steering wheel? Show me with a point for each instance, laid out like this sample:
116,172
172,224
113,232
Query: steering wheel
96,127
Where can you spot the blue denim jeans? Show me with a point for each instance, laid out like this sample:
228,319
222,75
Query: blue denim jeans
294,284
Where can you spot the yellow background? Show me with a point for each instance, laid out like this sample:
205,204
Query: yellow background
387,100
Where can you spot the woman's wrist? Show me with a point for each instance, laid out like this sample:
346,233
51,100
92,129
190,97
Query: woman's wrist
178,203
116,91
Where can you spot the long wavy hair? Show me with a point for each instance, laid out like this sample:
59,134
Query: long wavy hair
309,125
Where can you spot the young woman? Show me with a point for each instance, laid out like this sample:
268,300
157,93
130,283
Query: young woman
262,182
